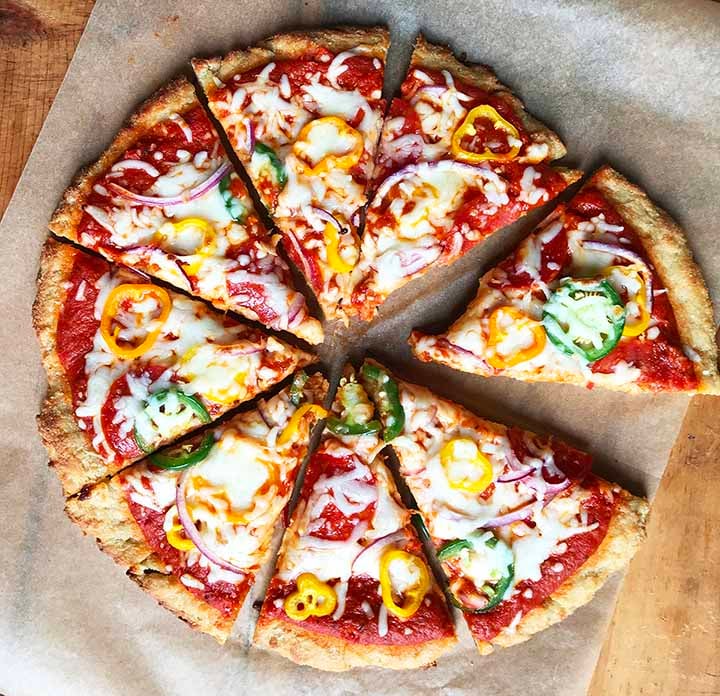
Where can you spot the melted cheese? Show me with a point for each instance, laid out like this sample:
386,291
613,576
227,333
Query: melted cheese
234,479
194,345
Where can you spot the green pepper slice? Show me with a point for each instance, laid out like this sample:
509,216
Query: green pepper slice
584,318
158,399
296,388
383,390
277,167
357,412
234,206
183,456
494,593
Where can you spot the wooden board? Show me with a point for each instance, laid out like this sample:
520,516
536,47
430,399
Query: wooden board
665,635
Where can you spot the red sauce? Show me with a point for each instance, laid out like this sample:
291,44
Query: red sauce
599,507
430,621
334,523
223,596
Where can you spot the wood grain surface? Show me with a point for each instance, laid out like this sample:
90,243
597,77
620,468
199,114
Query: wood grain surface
665,634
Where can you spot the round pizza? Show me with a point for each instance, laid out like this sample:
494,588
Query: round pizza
187,434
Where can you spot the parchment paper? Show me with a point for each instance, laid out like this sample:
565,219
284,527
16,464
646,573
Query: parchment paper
634,84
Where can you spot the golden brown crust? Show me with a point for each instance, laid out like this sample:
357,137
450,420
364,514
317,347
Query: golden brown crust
666,246
176,97
436,57
286,47
334,654
102,511
173,595
74,460
625,534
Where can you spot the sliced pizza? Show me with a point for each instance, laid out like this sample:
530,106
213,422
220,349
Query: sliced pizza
193,524
605,292
524,532
303,112
164,199
352,586
459,158
132,366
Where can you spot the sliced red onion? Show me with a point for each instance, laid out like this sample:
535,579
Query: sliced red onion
328,217
192,532
165,201
630,255
411,169
517,516
415,260
249,136
181,268
265,415
445,343
295,309
246,348
388,538
550,490
289,234
515,475
408,146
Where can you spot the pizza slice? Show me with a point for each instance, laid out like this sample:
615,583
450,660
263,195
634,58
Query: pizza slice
605,292
459,158
524,532
303,112
193,524
352,586
132,366
164,199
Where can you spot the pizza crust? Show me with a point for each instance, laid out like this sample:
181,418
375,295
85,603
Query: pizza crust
170,593
71,455
102,511
287,47
625,534
176,97
667,247
436,57
334,654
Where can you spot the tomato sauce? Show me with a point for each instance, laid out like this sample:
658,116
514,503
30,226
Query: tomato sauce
599,507
430,621
224,596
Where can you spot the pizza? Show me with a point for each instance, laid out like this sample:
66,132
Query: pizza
459,158
164,199
605,292
525,533
352,585
193,524
132,366
303,112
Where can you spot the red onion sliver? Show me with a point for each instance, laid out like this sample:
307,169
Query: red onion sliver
249,136
289,234
515,475
405,147
327,217
163,202
518,515
191,530
262,410
630,255
399,533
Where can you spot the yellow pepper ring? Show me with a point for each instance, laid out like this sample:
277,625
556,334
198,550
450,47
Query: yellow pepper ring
640,326
467,127
496,335
132,292
312,598
449,455
414,596
332,244
207,246
331,161
294,423
177,539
